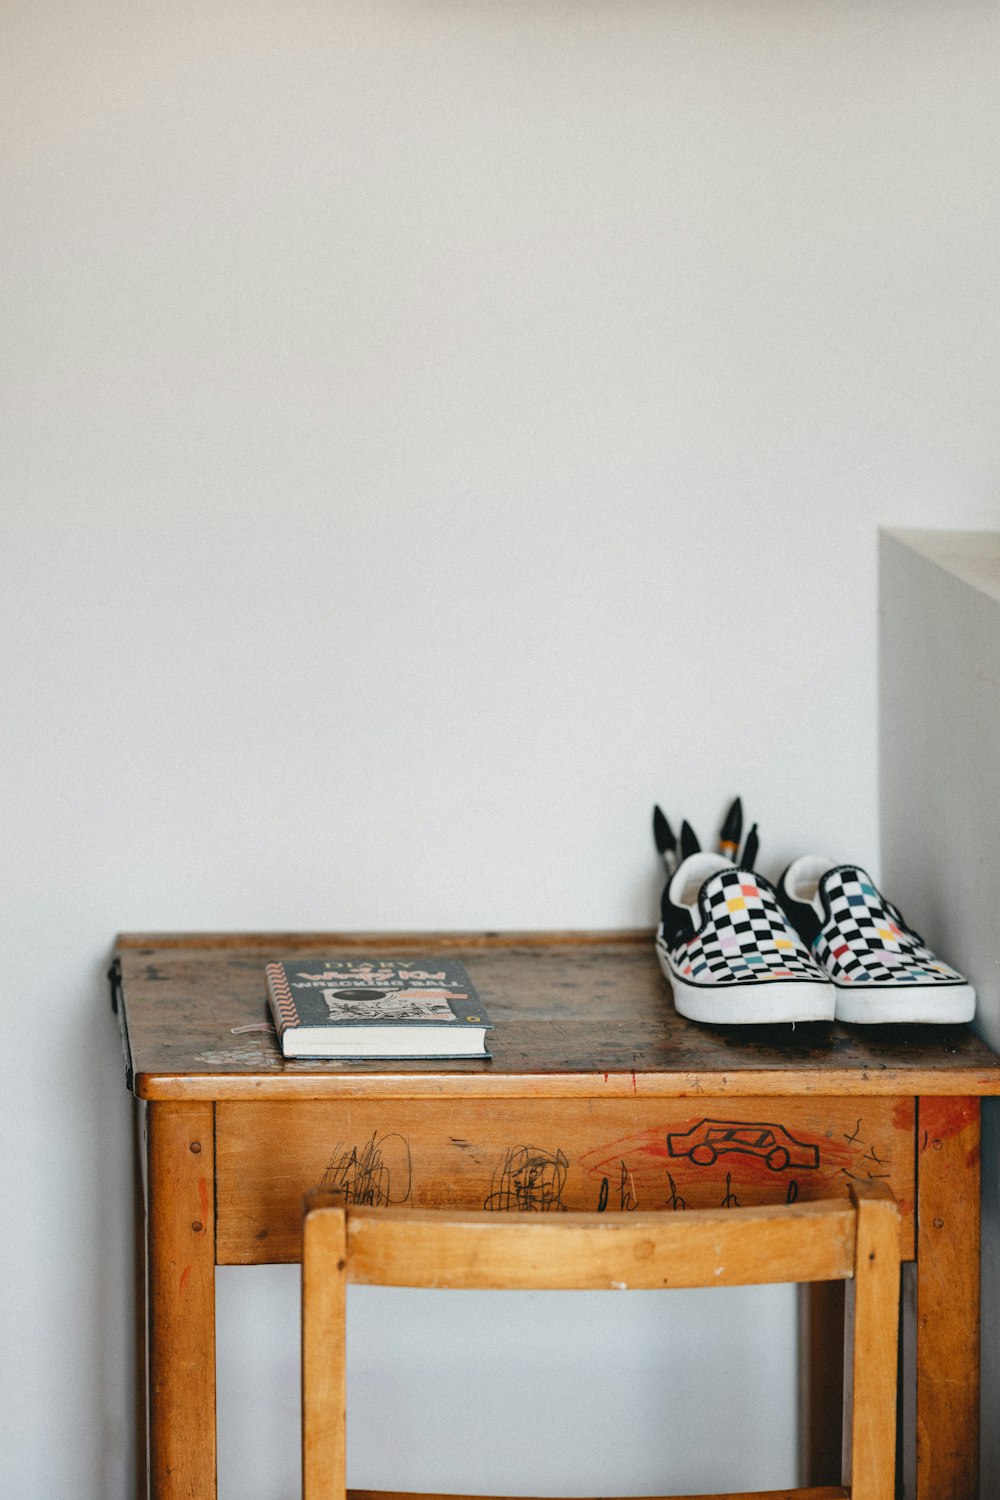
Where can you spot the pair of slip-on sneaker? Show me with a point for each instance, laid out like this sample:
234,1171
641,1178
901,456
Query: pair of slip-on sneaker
825,945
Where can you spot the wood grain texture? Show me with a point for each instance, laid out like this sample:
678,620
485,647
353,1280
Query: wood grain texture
324,1355
304,942
947,1311
871,1327
181,1261
592,1071
575,1014
544,1156
140,1302
601,1252
384,1247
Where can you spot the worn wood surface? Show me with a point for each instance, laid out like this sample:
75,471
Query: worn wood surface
324,1356
574,1014
586,1040
546,1155
591,1252
947,1310
181,1272
140,1301
872,1322
383,941
858,1241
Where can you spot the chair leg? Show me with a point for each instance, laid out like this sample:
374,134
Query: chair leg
871,1332
324,1381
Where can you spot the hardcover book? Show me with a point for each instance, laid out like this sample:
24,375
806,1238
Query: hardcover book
376,1007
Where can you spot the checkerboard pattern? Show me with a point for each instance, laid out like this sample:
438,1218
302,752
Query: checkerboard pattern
744,939
864,940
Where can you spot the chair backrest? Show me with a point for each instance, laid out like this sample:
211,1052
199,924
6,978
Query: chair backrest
856,1241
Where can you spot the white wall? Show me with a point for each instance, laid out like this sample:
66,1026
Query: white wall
432,432
939,764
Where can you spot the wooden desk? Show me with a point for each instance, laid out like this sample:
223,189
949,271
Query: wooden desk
598,1097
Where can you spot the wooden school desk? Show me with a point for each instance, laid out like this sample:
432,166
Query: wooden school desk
598,1096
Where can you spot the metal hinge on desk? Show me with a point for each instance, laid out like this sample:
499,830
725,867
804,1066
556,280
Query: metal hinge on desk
115,981
118,1006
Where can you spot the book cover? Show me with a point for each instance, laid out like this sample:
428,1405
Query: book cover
376,1007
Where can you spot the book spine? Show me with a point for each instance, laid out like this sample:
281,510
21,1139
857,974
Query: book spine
281,1000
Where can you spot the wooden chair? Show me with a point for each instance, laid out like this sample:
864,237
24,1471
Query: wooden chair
856,1241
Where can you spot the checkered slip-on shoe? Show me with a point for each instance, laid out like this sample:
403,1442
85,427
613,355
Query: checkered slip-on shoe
731,957
881,970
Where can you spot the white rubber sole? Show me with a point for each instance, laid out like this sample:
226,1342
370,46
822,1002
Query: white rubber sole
901,1005
750,1004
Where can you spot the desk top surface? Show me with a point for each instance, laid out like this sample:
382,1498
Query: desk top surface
584,1014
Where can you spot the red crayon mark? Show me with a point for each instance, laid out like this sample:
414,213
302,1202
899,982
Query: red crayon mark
634,1087
184,1276
647,1155
942,1117
641,1154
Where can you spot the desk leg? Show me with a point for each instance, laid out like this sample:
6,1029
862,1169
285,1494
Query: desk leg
141,1302
181,1280
947,1301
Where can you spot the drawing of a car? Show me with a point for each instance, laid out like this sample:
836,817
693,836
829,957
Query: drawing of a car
710,1139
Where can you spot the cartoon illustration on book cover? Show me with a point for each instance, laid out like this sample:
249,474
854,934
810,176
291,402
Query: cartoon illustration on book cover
389,1005
387,991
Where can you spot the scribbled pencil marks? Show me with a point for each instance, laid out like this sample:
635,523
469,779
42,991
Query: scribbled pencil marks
528,1179
677,1203
250,1056
374,1175
682,1163
627,1200
869,1155
705,1142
